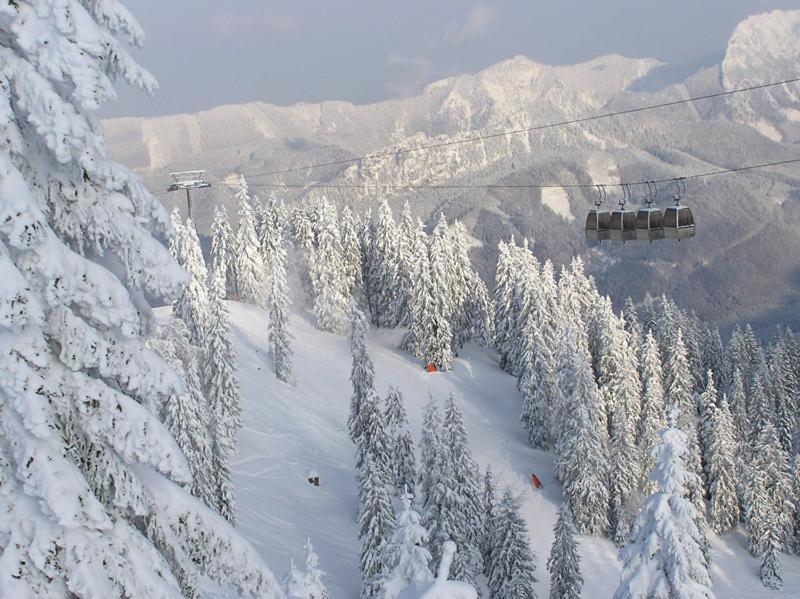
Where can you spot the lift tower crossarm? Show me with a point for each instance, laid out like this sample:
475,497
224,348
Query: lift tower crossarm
188,180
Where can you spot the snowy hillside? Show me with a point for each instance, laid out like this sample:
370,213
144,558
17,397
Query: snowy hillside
288,430
739,266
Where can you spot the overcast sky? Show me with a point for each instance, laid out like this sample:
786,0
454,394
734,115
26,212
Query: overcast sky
206,52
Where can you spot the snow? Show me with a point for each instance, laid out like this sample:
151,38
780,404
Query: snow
289,430
558,201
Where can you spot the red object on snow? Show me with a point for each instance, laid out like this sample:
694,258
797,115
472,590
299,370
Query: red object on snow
431,367
536,482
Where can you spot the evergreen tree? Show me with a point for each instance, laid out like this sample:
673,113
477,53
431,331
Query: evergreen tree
315,588
653,416
468,517
582,448
185,414
707,405
362,374
713,355
768,504
280,338
407,267
294,583
624,477
770,569
489,510
410,554
722,470
794,526
376,526
679,385
439,344
666,555
401,445
513,568
351,251
192,305
738,401
222,254
431,453
385,247
89,474
271,232
250,271
537,385
503,297
564,563
221,384
327,275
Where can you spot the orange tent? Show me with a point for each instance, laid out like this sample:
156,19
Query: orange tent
431,367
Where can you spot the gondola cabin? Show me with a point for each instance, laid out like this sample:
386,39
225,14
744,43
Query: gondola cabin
597,222
649,224
678,222
622,226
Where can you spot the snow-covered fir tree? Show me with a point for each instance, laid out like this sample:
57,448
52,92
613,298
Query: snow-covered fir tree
250,270
271,230
489,508
722,470
401,444
537,384
503,297
624,476
294,583
186,414
315,586
221,385
280,338
192,306
352,257
582,440
512,573
362,373
386,269
408,548
439,345
706,407
794,525
431,454
653,415
666,555
327,272
376,523
564,563
89,472
407,267
467,529
770,570
223,261
421,305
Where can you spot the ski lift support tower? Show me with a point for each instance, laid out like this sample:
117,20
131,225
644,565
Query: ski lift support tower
188,180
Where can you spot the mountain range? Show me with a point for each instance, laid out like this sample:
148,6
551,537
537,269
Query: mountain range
742,264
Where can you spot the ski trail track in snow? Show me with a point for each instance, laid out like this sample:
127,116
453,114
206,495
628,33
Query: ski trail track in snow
288,430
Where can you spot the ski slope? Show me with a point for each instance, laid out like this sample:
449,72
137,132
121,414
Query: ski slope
289,430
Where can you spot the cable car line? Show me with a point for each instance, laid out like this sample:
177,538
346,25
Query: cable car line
542,127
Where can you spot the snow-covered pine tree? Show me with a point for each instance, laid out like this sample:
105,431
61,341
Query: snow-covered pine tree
538,385
431,453
785,390
630,317
512,573
653,414
503,297
721,467
272,229
221,385
564,563
770,569
461,285
250,271
480,311
712,353
794,526
362,373
315,587
439,345
421,332
305,242
222,246
679,385
376,525
351,251
489,510
186,414
738,401
767,500
666,555
582,440
468,530
707,406
401,444
294,583
192,306
407,267
280,338
327,273
624,476
408,547
387,284
89,472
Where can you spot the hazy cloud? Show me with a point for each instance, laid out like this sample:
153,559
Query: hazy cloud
407,74
478,23
232,25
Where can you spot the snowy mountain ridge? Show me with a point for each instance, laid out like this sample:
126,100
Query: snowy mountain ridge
520,93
